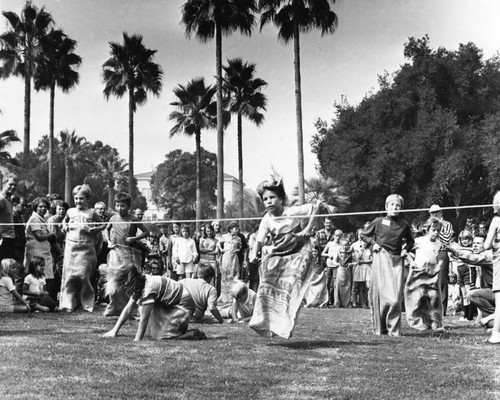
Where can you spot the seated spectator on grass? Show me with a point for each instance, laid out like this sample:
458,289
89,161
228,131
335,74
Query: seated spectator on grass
203,293
34,289
10,299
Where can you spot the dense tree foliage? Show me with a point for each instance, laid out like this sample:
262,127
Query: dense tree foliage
90,169
173,184
430,133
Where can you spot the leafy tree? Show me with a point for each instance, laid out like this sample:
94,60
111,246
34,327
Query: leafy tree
71,146
21,50
111,170
293,17
245,100
420,135
326,190
192,115
206,19
252,208
173,184
57,68
6,139
131,69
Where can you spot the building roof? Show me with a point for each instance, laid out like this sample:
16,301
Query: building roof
144,175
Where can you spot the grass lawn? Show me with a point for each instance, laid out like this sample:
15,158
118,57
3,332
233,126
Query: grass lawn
332,355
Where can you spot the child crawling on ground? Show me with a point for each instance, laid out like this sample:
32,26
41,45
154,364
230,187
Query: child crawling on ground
243,302
165,305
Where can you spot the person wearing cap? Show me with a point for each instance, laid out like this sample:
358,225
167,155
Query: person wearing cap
445,236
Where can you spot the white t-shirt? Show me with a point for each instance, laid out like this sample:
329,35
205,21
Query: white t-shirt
36,285
6,287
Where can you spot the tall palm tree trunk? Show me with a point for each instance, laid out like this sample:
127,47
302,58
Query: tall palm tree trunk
220,126
240,161
298,111
111,195
67,181
27,114
51,138
198,179
130,139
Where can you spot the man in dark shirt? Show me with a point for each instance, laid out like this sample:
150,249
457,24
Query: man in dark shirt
386,235
7,232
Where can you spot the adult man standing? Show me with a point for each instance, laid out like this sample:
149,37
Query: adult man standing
323,236
445,238
7,232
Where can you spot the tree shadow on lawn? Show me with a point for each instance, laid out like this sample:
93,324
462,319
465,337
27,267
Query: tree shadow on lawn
322,344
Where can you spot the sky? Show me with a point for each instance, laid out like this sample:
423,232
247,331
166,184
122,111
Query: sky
368,42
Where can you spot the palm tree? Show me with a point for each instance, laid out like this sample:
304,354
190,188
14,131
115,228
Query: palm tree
192,115
326,190
245,100
112,170
131,69
206,19
20,53
7,138
292,17
71,146
56,69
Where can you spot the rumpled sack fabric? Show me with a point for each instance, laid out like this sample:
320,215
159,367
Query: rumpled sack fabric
386,292
120,257
284,282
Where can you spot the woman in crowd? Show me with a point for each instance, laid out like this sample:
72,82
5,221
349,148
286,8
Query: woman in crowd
209,252
38,242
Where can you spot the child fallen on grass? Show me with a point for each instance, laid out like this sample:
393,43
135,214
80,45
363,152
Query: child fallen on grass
241,309
165,306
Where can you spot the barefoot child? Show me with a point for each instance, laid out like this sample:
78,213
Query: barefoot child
424,308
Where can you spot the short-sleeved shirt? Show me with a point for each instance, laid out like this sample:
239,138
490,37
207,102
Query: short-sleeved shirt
36,285
204,295
6,287
122,228
160,289
286,223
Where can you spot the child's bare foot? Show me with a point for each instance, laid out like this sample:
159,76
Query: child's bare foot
109,334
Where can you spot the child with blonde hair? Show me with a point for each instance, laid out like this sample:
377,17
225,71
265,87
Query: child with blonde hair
80,258
243,302
424,309
9,297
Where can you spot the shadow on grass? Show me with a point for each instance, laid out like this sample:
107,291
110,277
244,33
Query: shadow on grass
321,344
